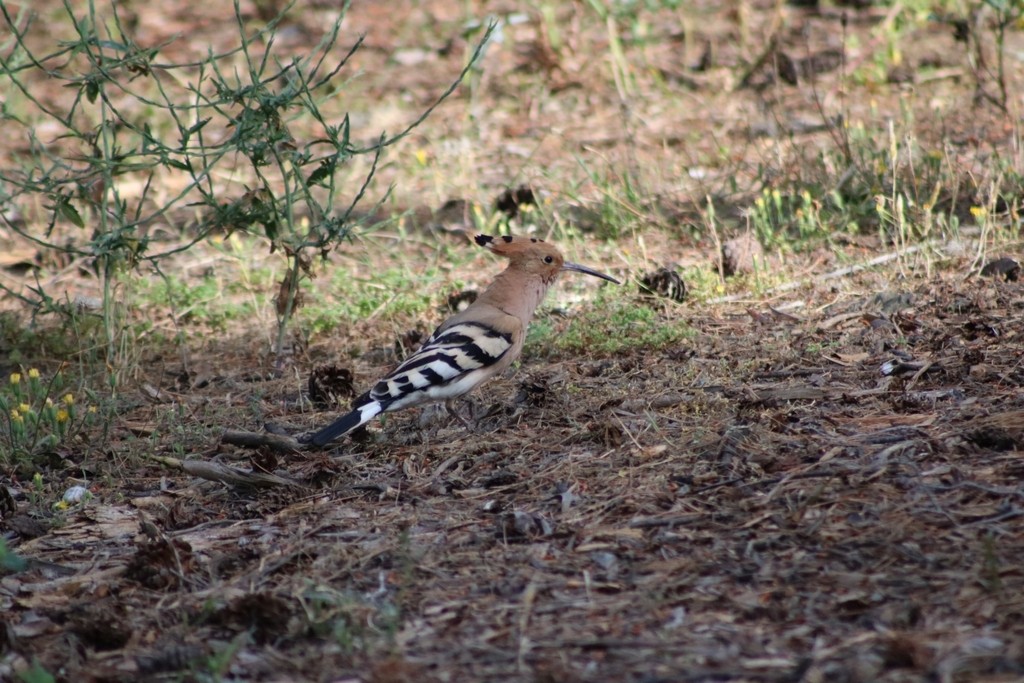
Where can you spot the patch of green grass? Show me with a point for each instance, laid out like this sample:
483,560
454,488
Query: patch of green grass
885,172
219,662
391,287
390,292
873,179
702,283
36,674
70,334
211,300
540,334
342,616
10,562
610,326
787,220
818,348
620,208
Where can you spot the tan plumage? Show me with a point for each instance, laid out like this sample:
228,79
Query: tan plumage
472,346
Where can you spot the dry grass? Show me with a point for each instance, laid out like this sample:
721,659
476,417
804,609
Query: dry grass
752,500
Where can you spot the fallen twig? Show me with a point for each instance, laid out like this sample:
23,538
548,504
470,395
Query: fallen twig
278,442
225,474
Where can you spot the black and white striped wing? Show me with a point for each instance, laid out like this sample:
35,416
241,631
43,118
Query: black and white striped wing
449,364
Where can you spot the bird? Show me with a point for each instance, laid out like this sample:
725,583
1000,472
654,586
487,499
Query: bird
472,346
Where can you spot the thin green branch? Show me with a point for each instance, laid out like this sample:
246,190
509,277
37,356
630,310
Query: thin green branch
444,96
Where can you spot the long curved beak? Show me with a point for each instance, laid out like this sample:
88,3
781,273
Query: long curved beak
589,271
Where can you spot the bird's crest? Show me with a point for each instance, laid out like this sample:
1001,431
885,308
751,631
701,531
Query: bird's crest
508,245
534,256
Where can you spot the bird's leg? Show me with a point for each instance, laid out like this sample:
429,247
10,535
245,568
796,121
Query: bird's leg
450,407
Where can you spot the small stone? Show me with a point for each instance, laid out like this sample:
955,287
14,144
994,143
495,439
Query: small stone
76,494
742,254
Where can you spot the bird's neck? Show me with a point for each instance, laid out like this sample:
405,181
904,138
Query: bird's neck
517,293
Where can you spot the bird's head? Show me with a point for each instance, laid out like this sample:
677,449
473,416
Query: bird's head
535,257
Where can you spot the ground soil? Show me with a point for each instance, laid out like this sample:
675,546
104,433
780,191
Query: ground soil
822,483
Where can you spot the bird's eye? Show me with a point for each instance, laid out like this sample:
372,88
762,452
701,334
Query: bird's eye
548,259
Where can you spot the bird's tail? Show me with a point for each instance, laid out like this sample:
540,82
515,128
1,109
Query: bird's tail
347,423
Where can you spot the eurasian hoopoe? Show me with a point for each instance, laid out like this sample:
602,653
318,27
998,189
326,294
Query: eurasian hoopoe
472,346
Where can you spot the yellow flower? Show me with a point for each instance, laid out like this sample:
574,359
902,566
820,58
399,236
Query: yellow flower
15,378
49,402
92,409
62,415
978,211
16,417
68,399
33,373
25,408
61,505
